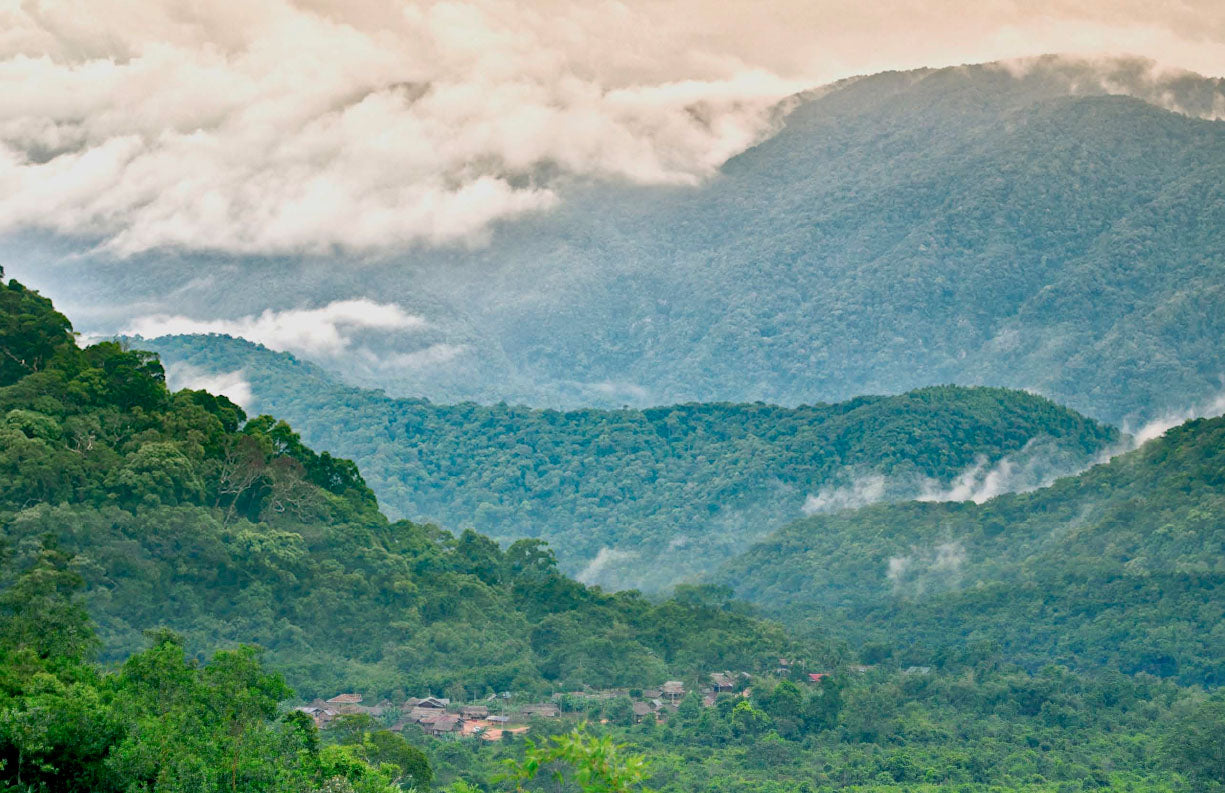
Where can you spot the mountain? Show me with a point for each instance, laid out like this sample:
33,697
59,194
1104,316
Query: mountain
1053,225
177,512
645,498
1120,566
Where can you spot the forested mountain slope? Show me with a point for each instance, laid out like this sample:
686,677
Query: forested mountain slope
178,512
1121,566
1052,226
645,497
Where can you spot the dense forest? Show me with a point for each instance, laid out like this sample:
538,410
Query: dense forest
1120,567
664,491
178,512
151,538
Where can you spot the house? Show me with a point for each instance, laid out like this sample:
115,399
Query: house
917,670
721,682
817,677
422,715
345,699
434,702
641,711
652,693
498,719
473,712
443,724
709,700
542,710
673,690
321,716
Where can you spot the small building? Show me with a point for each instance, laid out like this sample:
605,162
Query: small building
722,682
321,716
421,715
542,710
443,724
673,690
652,693
917,670
473,712
709,700
641,711
498,719
817,677
345,699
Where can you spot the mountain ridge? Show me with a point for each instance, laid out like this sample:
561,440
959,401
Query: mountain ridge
626,492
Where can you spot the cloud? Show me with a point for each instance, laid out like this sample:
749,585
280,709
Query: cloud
314,126
937,568
603,563
230,384
861,492
1159,426
314,332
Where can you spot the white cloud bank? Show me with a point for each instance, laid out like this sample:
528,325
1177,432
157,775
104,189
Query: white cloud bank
289,126
233,385
315,332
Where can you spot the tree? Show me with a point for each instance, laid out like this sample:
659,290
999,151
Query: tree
385,748
596,764
1195,745
40,613
31,331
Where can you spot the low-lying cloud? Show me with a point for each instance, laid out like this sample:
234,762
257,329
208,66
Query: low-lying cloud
233,385
321,332
291,126
862,491
1210,408
925,570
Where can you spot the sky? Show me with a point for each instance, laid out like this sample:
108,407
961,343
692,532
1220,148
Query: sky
269,127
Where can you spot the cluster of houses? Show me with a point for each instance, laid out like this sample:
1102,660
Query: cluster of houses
433,715
437,717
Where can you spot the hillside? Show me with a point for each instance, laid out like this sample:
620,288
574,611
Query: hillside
178,512
1052,226
1121,566
643,498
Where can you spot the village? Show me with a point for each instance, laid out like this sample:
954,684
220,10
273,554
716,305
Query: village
501,714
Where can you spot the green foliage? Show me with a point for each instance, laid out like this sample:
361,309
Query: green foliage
162,723
1118,567
1195,744
182,514
666,489
596,763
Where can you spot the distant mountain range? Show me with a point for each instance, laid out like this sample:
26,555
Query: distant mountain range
1055,225
645,498
1120,566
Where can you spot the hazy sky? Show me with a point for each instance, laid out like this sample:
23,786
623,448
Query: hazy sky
267,126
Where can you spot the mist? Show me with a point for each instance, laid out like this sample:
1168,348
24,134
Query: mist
278,127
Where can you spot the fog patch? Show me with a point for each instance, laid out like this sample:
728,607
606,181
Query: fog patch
934,569
1035,465
861,492
232,385
604,562
1157,427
